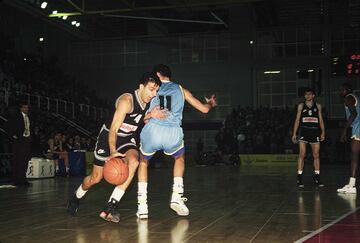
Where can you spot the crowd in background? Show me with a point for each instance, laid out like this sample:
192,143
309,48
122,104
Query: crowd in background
28,73
245,131
261,131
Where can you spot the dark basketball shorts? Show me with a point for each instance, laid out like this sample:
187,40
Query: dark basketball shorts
102,150
309,135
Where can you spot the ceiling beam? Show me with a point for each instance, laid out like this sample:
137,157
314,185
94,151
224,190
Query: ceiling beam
75,6
151,8
219,22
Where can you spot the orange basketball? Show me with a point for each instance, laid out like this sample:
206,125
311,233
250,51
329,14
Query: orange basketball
116,171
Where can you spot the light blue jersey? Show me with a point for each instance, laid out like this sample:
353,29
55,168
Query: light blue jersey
165,134
355,126
171,97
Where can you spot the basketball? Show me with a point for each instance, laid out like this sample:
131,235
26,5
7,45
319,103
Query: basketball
116,171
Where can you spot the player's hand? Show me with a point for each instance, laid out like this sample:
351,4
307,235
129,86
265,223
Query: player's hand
211,101
293,139
322,136
158,113
116,154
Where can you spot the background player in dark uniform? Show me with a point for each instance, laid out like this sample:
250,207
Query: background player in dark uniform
117,138
312,131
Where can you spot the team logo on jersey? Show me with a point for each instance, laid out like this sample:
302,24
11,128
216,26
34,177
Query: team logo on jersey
315,110
128,127
310,119
304,110
132,115
310,113
100,151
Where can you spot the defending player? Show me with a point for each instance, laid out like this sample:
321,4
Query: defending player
167,135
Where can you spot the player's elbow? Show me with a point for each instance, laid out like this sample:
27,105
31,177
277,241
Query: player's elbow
205,110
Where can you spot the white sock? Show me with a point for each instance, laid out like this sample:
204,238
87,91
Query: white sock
178,186
57,168
142,191
80,192
300,172
117,194
178,181
352,181
142,187
317,172
67,169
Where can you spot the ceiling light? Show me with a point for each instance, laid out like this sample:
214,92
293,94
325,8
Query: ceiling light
43,5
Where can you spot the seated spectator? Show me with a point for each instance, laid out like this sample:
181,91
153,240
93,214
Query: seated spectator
56,152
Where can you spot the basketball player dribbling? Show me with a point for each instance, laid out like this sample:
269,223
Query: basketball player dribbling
312,131
117,138
352,109
167,135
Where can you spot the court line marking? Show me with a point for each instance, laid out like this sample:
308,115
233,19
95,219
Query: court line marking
306,237
215,221
267,221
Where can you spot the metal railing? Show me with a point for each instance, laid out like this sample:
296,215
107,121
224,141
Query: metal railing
54,105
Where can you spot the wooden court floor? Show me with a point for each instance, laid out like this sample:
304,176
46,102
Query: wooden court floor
250,203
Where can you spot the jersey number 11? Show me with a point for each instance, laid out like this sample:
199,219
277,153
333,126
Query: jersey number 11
162,102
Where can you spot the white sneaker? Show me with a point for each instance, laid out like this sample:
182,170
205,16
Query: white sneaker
347,189
142,212
177,204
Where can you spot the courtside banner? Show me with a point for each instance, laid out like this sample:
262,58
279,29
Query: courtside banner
268,158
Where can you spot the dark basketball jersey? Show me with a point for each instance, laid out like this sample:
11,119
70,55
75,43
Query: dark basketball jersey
310,116
134,119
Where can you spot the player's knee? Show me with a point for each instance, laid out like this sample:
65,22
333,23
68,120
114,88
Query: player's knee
302,155
133,164
316,155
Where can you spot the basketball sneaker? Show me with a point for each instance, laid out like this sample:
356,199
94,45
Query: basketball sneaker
300,181
142,212
73,205
110,212
318,181
347,189
177,204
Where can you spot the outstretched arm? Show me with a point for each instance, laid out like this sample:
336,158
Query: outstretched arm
197,104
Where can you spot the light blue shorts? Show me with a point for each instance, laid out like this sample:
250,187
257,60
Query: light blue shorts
355,132
155,137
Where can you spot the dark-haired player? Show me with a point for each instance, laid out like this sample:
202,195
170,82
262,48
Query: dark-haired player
167,135
117,138
310,125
